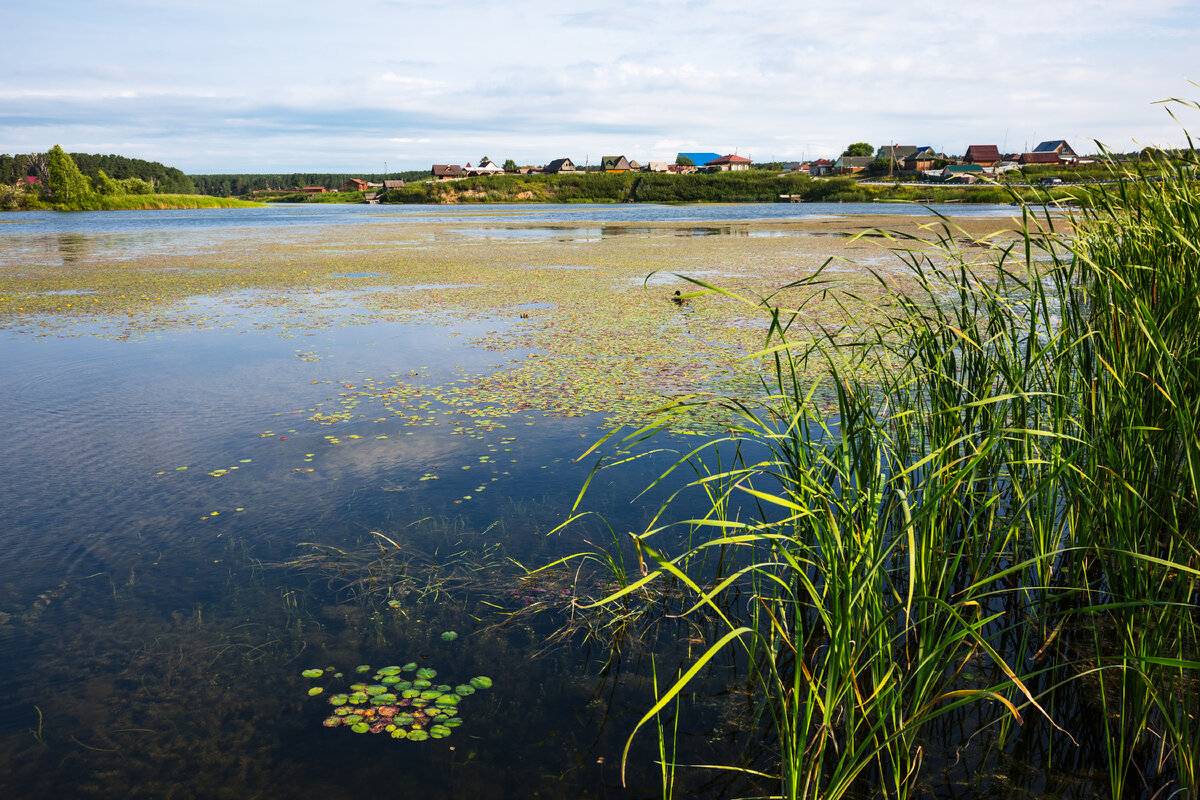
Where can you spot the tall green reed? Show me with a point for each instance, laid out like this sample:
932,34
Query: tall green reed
1001,502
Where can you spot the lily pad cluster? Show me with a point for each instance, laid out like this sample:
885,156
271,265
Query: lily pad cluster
392,703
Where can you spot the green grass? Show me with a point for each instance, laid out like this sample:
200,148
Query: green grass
999,519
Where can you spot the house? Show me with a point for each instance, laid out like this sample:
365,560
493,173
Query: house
848,165
897,153
819,167
388,185
657,166
447,172
698,159
355,185
731,163
314,190
559,165
616,164
486,167
985,155
1057,146
635,166
920,159
1047,157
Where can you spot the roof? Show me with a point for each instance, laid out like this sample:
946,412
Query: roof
959,169
820,162
898,151
854,162
700,158
982,152
447,170
614,162
1050,157
1052,146
560,164
388,184
730,159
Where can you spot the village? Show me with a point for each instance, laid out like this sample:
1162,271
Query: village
919,163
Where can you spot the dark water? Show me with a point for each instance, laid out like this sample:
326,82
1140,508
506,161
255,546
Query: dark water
181,539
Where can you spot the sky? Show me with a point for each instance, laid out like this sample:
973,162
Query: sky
267,86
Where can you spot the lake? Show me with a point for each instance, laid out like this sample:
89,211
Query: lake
244,444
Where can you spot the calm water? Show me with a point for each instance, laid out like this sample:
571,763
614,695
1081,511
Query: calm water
183,536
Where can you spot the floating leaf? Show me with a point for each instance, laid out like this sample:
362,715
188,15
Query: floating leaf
363,668
409,667
481,682
399,733
360,727
465,690
375,689
453,722
418,735
314,691
439,731
425,673
449,636
313,673
389,671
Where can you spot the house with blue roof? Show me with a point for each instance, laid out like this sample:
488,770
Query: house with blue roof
700,159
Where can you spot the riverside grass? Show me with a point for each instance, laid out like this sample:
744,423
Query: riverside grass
998,521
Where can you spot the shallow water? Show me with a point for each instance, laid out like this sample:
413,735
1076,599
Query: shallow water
196,514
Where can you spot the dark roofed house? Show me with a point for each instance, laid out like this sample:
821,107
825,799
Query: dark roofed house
355,185
728,163
1056,146
614,164
446,172
985,155
560,165
393,185
848,165
896,152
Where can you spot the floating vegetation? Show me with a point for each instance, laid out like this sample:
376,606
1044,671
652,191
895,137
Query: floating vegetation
449,636
416,715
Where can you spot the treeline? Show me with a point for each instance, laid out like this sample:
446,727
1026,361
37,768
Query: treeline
160,178
236,185
53,180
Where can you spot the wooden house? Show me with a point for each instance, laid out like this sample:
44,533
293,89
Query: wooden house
985,155
559,165
616,164
1057,146
1048,157
355,185
447,172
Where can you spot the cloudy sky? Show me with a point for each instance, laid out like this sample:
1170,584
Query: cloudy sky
347,86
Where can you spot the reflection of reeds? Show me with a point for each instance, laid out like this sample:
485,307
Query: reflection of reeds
995,524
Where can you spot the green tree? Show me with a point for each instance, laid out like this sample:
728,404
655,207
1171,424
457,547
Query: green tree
684,161
510,165
105,185
859,149
67,183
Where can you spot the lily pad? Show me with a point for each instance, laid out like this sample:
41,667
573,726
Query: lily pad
418,735
439,731
465,689
421,685
363,668
481,682
389,671
338,700
360,727
453,722
449,636
430,694
409,667
358,698
375,689
313,673
399,733
425,673
314,691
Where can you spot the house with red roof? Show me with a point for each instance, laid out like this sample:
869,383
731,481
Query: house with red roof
730,163
985,155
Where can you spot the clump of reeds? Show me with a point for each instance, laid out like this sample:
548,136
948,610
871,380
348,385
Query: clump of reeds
998,518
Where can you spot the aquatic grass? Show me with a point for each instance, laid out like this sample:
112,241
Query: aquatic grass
1000,505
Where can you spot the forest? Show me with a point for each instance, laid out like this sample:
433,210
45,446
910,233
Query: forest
162,179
